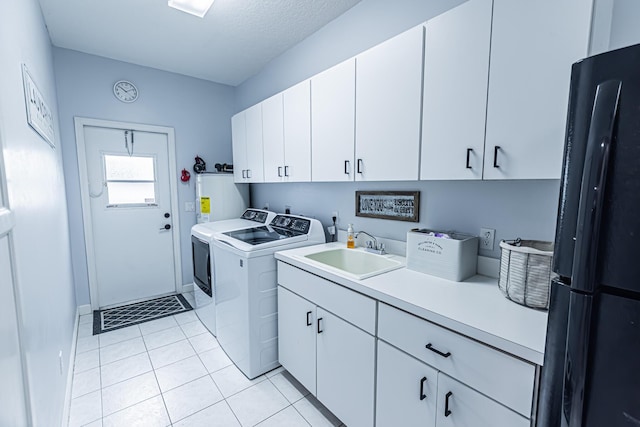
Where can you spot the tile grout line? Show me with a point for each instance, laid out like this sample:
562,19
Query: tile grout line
210,374
290,403
153,369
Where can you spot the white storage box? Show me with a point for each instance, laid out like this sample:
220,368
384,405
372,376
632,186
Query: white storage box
454,259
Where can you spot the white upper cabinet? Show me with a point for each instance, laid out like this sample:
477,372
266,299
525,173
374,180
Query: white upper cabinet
286,135
246,136
239,146
456,68
533,45
273,138
297,133
255,168
388,101
333,123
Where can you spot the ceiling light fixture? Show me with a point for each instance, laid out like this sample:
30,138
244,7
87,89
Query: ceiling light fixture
198,8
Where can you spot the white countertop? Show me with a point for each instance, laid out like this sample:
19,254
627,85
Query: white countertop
475,308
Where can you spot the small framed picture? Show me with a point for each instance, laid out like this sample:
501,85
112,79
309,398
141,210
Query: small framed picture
396,205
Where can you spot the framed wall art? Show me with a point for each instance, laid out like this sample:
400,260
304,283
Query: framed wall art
39,115
396,205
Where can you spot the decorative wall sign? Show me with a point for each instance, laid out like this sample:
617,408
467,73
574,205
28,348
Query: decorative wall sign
39,115
397,205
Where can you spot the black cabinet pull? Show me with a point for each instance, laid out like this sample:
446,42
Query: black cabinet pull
435,350
422,395
243,173
319,330
469,151
286,171
248,173
447,412
359,169
308,318
280,171
346,167
495,156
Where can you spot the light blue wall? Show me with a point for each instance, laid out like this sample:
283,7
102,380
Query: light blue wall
625,30
514,209
199,111
40,240
525,209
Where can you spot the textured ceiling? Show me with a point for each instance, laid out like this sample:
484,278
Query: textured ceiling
230,44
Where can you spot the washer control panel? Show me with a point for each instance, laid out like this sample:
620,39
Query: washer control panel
292,223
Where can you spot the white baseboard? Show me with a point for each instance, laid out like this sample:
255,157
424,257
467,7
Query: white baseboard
70,365
187,288
84,309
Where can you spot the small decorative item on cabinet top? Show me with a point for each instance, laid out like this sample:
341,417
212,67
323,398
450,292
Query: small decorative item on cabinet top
397,205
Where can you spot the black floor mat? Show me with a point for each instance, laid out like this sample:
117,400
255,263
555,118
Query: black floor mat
111,319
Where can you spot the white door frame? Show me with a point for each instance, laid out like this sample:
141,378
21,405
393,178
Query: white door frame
80,123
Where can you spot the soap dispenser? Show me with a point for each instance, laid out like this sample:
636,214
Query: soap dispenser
351,243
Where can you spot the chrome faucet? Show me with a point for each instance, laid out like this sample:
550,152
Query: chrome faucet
372,246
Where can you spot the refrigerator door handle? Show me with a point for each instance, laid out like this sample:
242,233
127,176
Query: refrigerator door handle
600,139
576,359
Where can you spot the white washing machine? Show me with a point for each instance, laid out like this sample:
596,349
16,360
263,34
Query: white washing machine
246,288
203,260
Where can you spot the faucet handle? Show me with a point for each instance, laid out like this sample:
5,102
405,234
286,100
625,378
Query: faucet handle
370,244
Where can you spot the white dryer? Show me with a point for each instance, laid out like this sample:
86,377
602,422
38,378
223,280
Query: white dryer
203,260
246,288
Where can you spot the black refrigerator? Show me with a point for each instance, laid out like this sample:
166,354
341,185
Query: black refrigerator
591,372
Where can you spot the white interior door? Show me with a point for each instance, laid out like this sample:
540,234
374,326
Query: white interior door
131,217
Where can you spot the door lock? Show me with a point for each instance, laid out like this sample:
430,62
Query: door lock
166,227
167,214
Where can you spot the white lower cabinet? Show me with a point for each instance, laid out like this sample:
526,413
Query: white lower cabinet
406,390
297,337
332,358
412,393
361,357
345,369
461,406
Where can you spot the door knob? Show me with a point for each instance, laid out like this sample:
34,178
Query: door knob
167,214
166,227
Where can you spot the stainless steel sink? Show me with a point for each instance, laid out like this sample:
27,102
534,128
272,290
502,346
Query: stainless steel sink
355,262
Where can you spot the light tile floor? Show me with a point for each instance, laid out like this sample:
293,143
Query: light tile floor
173,372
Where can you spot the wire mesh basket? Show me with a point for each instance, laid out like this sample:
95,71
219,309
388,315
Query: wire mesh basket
525,272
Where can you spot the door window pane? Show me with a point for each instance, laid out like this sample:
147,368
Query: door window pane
130,180
125,168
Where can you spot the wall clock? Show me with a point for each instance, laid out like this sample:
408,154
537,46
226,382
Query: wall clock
125,91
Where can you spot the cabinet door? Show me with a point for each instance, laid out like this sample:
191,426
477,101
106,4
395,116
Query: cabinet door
239,146
461,406
388,101
533,45
297,337
345,369
333,123
273,138
456,69
406,389
297,133
255,170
